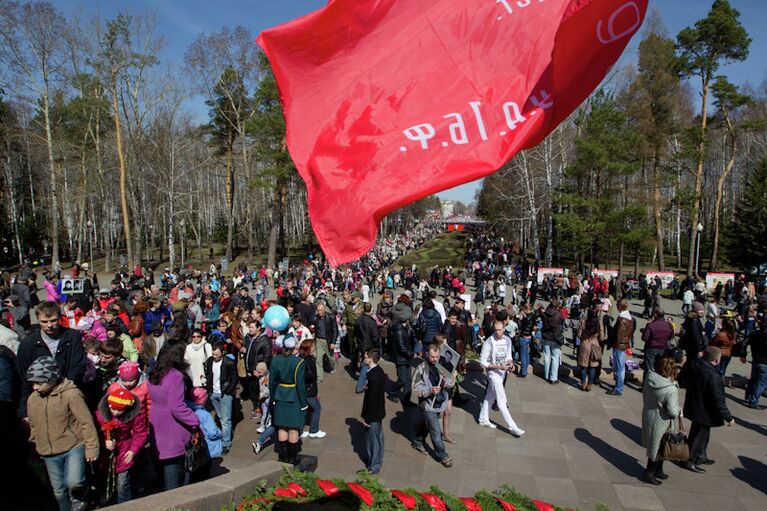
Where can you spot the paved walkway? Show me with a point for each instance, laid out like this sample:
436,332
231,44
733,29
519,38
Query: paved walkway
580,448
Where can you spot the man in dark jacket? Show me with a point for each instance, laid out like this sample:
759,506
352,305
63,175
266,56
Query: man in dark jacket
325,334
258,348
693,340
221,382
429,324
402,344
373,383
366,332
704,405
758,381
553,338
50,339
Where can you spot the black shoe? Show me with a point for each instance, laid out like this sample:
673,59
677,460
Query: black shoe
692,467
392,398
553,382
420,449
707,461
649,477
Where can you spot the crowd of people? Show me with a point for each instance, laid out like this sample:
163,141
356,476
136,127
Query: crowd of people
125,379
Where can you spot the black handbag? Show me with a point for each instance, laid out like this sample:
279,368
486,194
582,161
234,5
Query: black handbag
197,453
674,445
740,348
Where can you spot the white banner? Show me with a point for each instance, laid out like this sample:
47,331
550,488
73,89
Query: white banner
712,279
542,272
666,277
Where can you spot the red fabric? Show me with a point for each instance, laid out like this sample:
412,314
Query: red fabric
436,503
361,492
297,488
471,504
388,101
330,489
543,506
505,505
407,500
286,492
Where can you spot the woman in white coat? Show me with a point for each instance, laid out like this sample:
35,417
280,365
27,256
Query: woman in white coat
660,413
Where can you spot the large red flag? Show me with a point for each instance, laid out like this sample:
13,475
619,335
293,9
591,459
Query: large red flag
388,101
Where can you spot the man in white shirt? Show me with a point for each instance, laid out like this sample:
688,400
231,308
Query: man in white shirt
687,298
496,358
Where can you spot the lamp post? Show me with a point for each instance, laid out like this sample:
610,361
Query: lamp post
151,241
697,249
90,243
183,233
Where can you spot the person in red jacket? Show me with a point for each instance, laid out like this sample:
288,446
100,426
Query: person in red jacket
123,425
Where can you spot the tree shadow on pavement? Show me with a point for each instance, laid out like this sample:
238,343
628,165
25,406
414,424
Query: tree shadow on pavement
357,433
630,430
757,428
617,458
472,390
753,473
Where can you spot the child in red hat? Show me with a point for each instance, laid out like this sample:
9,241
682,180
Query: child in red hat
124,427
131,378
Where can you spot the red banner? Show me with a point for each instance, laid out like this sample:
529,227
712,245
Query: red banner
388,101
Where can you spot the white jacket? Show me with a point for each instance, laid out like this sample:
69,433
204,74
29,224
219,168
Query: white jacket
196,355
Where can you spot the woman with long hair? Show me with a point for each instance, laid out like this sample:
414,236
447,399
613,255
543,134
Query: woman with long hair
288,390
660,413
306,351
172,421
591,331
724,340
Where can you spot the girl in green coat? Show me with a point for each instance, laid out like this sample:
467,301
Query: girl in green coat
288,399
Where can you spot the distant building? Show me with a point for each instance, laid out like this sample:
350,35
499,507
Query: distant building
448,208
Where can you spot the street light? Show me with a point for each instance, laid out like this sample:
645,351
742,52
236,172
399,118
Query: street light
90,243
151,241
182,224
697,249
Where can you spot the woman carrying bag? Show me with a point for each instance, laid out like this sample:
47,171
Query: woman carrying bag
660,414
288,390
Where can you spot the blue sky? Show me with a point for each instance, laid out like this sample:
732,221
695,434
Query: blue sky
179,21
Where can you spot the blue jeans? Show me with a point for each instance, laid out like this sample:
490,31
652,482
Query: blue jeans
551,353
375,446
223,406
757,383
591,372
314,416
402,388
123,487
67,474
173,473
619,366
435,433
723,363
524,355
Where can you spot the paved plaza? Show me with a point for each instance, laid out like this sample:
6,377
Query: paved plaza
580,448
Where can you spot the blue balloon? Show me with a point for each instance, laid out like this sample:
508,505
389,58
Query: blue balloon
276,318
311,257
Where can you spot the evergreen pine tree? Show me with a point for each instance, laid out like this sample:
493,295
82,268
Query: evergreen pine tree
746,236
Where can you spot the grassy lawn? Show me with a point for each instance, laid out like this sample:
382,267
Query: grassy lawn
446,249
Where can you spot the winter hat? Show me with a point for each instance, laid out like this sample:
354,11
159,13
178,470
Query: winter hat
261,367
120,398
85,323
199,396
128,371
43,370
697,307
289,341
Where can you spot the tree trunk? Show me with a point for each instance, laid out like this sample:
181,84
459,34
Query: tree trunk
621,253
123,177
718,206
229,198
54,185
695,213
531,204
657,210
282,190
